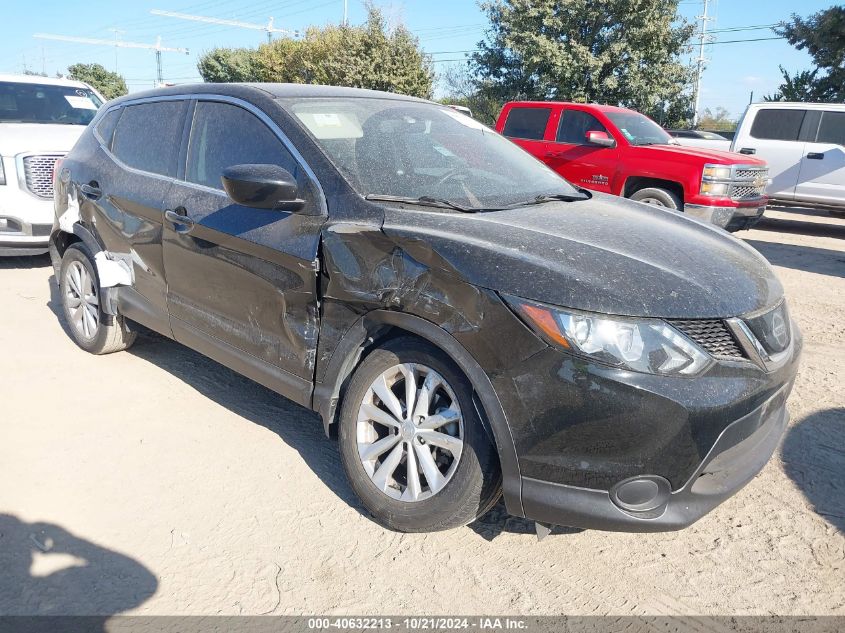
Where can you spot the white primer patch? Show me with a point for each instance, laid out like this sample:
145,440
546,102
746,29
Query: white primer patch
112,272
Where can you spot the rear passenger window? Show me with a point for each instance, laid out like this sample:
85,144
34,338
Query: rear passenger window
832,128
778,124
148,136
224,135
527,123
105,128
574,125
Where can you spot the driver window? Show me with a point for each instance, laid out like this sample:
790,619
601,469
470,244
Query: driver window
223,135
574,125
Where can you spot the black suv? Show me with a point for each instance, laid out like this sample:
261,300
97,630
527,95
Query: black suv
464,319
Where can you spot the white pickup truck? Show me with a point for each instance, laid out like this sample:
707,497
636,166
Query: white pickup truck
804,144
40,121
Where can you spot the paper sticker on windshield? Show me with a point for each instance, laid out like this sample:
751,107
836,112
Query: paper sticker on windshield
463,119
80,103
627,134
327,119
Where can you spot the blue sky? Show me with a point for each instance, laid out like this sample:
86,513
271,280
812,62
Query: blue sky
443,26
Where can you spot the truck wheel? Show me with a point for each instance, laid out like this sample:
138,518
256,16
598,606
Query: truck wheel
658,197
411,443
91,328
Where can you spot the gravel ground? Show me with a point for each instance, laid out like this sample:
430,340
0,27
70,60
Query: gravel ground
155,481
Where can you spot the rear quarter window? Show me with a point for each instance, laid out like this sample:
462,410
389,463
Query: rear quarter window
106,125
778,124
527,123
148,136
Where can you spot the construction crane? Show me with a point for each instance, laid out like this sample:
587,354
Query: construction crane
157,47
269,28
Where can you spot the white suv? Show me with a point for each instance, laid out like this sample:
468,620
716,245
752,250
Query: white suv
804,144
40,120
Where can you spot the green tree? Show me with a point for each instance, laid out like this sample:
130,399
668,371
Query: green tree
719,120
461,89
822,35
226,65
614,51
366,56
111,85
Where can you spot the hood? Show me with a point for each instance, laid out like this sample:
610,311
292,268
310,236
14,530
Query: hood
706,154
607,255
16,138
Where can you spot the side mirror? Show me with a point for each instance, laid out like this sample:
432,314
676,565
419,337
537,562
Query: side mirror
603,139
262,187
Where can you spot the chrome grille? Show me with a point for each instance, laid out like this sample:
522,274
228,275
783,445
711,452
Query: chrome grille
749,182
38,174
751,173
744,190
712,335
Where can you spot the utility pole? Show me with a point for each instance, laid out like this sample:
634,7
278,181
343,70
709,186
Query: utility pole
116,32
157,47
269,28
345,12
701,62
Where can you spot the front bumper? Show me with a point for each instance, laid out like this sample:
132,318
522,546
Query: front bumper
739,453
728,218
604,448
25,219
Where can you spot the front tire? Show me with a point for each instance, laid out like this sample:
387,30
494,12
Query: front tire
659,198
419,468
91,328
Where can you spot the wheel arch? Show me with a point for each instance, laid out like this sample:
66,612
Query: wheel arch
635,183
378,326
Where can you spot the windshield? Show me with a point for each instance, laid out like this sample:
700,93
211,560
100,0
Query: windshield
639,129
40,103
410,150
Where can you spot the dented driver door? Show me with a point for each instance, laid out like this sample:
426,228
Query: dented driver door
242,282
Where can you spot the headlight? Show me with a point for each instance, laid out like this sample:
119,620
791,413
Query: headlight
715,189
646,345
716,172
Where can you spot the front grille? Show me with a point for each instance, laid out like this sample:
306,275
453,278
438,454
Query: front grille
745,191
752,173
749,182
712,335
38,173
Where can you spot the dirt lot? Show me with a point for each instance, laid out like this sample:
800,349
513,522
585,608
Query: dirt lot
155,481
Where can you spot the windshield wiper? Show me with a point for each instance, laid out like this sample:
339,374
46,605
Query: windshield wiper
426,201
552,197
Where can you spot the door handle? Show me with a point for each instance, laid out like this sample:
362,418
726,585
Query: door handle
179,219
748,150
815,156
554,154
91,190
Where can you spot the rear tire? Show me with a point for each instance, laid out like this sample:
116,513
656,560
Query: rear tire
659,198
392,460
91,328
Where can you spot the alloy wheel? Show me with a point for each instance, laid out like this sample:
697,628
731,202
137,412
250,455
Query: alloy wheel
410,432
81,300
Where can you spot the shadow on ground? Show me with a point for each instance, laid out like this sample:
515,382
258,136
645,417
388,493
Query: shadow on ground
47,570
813,454
31,261
826,227
297,426
497,521
823,261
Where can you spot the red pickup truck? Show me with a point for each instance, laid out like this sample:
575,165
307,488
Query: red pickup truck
619,151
